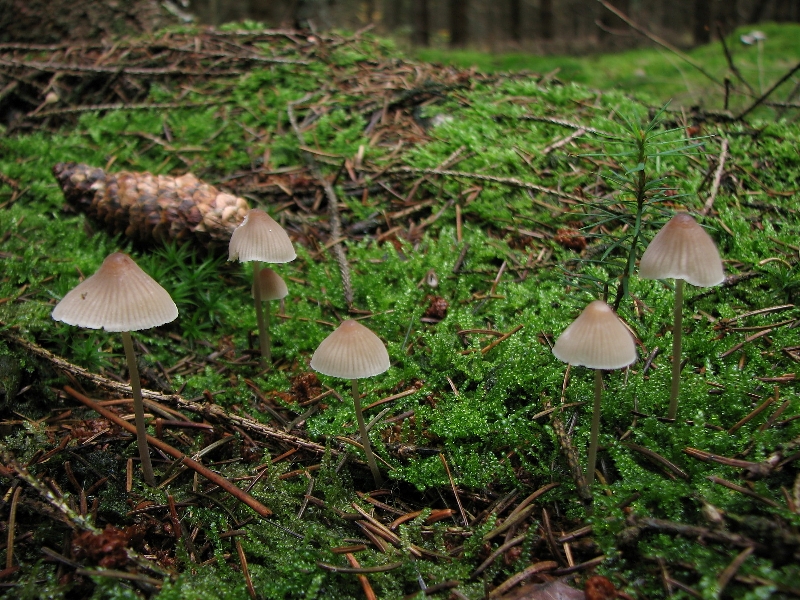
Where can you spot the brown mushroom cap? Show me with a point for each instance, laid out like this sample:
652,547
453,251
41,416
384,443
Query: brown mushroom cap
261,238
273,287
352,351
118,297
596,339
682,250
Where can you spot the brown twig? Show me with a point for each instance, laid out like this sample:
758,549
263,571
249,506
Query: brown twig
209,411
723,154
661,42
759,409
510,181
369,593
455,490
766,94
197,467
658,459
12,528
743,490
725,577
333,204
530,571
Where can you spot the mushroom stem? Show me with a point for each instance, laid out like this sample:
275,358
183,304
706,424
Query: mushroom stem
138,410
263,334
677,333
362,429
592,460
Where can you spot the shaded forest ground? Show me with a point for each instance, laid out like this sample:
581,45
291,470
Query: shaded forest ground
479,213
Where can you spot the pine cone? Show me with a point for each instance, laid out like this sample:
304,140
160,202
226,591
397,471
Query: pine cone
147,207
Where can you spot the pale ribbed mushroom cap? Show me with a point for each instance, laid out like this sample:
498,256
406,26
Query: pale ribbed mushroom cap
352,351
596,339
259,237
682,250
118,297
273,287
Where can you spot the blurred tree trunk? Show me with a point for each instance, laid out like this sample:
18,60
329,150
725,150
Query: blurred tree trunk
420,20
758,11
727,15
515,20
702,21
459,31
546,19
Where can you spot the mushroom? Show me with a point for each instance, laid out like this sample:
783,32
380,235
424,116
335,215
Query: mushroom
352,351
272,287
261,239
121,297
597,339
683,250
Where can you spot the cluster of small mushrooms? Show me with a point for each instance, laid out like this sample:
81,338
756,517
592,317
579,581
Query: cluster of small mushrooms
121,297
599,340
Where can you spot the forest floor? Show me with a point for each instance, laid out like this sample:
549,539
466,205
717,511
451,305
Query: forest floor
466,218
690,77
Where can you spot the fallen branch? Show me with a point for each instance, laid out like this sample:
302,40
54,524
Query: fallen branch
209,411
198,468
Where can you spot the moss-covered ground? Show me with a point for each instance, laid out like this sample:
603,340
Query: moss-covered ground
531,228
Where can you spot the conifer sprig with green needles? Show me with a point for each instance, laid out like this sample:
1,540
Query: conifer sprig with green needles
636,209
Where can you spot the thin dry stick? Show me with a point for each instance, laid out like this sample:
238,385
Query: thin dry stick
766,94
743,490
12,527
547,565
512,181
567,124
661,42
723,154
333,204
245,571
200,469
761,408
362,579
455,490
563,141
729,572
501,339
208,411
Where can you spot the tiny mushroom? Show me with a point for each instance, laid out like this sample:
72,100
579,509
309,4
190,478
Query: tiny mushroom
352,351
272,287
597,339
684,251
260,239
121,297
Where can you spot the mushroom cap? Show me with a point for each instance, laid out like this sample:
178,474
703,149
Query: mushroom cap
683,250
260,237
118,297
596,339
273,287
352,351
